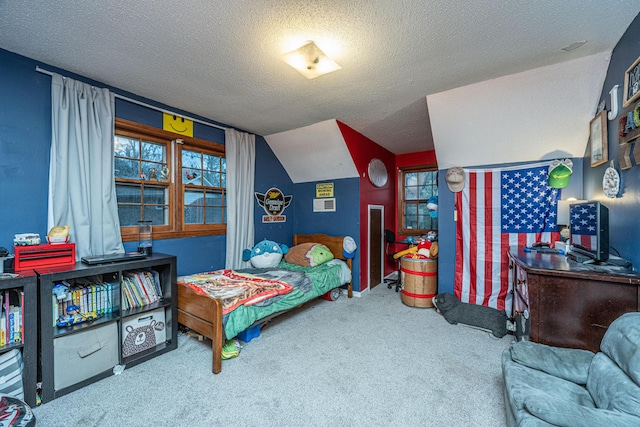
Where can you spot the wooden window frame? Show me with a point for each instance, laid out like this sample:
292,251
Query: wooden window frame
174,145
402,230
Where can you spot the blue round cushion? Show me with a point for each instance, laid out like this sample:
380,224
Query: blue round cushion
15,412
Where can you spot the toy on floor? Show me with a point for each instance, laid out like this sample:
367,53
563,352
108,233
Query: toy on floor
265,254
15,413
231,349
478,316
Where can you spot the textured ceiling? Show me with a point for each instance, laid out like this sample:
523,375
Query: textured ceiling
221,59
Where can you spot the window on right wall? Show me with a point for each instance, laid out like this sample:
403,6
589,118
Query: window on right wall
416,186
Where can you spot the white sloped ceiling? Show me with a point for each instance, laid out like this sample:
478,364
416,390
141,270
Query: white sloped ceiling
534,115
313,153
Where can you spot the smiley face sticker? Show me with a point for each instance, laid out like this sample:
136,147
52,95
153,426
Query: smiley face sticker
177,124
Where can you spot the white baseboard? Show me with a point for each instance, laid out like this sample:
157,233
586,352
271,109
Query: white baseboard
357,294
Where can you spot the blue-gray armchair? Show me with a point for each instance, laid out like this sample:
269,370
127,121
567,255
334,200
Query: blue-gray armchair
568,387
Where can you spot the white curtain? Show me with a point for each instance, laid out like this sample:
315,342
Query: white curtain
81,181
240,152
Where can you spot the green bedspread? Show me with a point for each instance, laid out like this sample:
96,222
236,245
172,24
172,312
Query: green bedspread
325,277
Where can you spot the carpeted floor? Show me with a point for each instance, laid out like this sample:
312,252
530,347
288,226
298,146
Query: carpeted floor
369,361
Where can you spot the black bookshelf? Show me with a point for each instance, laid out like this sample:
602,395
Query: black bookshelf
103,336
27,283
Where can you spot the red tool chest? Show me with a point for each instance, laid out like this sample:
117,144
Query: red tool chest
30,257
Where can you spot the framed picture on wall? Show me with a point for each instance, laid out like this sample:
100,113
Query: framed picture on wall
598,139
632,83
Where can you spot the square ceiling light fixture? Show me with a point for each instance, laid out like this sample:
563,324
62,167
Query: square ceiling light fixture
310,61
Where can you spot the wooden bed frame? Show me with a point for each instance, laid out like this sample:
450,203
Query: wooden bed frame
203,314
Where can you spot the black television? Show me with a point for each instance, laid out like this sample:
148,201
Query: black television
589,228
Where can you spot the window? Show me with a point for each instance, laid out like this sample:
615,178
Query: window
176,182
417,185
204,181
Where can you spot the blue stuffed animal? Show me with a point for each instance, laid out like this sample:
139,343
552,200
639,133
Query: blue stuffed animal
432,206
265,254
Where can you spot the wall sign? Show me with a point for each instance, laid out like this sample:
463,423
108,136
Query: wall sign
274,202
177,124
613,93
629,124
324,190
632,83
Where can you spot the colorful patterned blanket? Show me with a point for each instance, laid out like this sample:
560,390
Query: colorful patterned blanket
234,288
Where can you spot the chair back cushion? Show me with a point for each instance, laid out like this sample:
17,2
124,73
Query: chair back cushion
621,343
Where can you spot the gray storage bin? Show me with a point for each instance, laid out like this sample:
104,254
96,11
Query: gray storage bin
143,332
85,354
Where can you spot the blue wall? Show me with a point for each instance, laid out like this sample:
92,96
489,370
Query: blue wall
269,173
150,117
25,140
343,222
446,236
624,232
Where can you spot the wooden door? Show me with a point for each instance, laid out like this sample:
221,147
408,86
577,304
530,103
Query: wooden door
376,267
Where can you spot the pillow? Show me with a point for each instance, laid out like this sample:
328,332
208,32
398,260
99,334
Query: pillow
15,412
621,343
308,254
265,254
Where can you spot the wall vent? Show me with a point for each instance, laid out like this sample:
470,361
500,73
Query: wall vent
324,205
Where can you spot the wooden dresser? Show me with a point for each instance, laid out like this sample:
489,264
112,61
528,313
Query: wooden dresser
562,303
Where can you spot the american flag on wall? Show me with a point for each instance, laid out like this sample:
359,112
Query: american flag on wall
496,209
583,225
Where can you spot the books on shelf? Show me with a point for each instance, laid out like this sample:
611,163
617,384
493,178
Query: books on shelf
140,288
12,316
90,295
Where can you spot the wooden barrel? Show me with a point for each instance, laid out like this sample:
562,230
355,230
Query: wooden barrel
419,281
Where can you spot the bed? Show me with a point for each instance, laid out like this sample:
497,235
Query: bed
203,313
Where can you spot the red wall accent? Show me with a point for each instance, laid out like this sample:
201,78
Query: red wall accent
362,150
420,158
